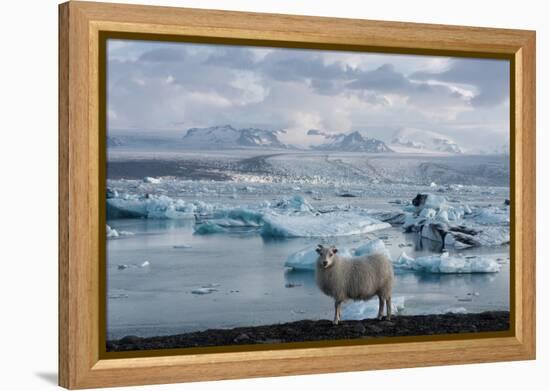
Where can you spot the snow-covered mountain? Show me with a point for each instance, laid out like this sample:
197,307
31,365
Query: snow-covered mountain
417,140
228,137
350,142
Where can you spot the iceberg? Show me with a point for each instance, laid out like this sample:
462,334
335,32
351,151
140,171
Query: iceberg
111,232
457,226
447,264
372,247
492,216
320,226
114,233
302,260
305,259
237,217
225,219
149,206
359,310
296,203
153,207
208,227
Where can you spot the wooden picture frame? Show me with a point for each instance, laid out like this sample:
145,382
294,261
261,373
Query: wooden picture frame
82,363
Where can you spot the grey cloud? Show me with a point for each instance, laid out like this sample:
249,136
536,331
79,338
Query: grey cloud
490,78
384,78
233,57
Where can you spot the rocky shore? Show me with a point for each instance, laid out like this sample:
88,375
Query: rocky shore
321,330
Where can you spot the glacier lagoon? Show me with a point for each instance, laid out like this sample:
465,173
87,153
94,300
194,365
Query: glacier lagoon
250,285
164,277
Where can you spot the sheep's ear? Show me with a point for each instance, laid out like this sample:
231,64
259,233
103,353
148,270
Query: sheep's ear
334,250
318,250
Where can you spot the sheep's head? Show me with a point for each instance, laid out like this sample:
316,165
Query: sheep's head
326,256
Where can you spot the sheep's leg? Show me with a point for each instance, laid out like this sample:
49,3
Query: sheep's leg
388,308
380,307
337,311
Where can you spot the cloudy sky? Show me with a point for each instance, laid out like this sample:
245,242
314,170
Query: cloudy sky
176,86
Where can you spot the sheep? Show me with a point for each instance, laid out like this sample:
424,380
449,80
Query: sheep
358,278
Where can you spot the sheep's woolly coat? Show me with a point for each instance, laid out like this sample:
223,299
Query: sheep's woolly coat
358,278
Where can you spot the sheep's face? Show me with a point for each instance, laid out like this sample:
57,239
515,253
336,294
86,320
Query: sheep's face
326,256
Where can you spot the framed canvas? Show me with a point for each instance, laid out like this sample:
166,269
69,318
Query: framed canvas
247,195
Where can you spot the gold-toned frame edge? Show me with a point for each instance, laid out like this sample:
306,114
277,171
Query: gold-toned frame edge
80,365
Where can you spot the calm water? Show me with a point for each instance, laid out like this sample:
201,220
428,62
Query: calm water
251,284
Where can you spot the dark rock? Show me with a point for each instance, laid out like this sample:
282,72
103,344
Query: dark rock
359,328
347,195
373,329
419,200
130,340
322,330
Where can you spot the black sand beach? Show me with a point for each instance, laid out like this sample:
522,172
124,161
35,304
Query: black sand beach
309,330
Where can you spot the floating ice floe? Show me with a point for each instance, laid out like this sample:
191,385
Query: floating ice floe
359,310
237,217
324,225
447,264
113,233
305,259
209,227
153,207
203,291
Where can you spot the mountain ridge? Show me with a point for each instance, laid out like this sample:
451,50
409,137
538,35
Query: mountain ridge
349,142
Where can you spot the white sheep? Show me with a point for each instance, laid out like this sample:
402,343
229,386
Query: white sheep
358,278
